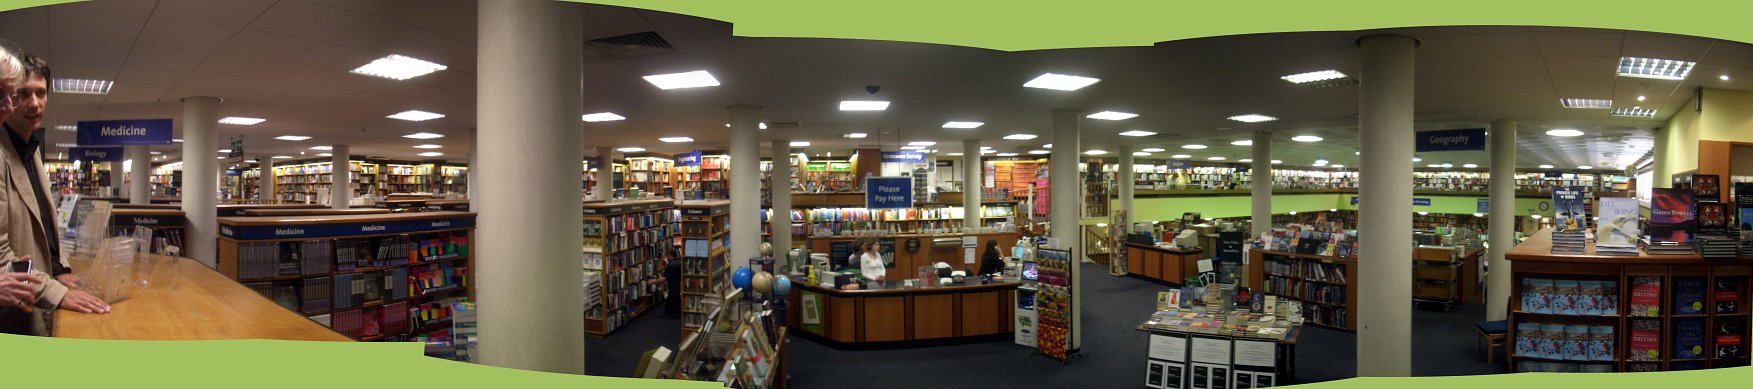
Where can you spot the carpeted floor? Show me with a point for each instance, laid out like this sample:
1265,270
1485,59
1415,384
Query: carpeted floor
1113,353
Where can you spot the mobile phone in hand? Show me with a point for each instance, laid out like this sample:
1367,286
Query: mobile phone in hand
21,267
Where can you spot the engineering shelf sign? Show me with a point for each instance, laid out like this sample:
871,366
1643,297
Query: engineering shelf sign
348,229
689,159
888,192
125,132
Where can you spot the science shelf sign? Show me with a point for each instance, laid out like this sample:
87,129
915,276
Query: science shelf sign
903,157
125,132
888,192
95,154
1450,140
689,159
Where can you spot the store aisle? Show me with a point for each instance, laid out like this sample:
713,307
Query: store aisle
1112,355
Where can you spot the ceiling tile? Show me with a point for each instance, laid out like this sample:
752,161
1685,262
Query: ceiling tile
149,76
369,7
303,19
68,31
139,8
335,57
170,34
1592,43
167,59
136,93
101,62
235,65
230,13
1722,53
213,81
1648,45
1582,65
265,45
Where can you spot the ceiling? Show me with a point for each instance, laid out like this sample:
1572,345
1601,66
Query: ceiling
288,61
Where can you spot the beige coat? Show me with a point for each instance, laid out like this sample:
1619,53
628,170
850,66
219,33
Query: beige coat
22,235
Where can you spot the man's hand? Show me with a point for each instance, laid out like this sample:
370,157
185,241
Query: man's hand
82,302
18,290
69,280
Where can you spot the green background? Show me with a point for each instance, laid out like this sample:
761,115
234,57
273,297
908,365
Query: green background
998,25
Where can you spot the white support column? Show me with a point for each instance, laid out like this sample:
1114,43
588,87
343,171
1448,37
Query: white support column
118,180
974,184
605,177
528,226
200,206
779,184
1502,224
1125,179
745,184
473,162
341,188
139,174
1384,308
1063,206
1262,184
265,188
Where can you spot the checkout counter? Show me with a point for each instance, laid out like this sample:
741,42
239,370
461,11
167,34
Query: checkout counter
889,311
913,251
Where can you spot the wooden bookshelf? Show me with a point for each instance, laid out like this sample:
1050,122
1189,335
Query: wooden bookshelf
307,263
651,175
1534,260
624,244
1295,276
708,181
705,237
84,178
1095,192
828,176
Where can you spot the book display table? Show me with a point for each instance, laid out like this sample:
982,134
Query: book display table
1192,349
203,305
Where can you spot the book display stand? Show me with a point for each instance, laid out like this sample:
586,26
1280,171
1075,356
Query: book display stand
705,271
624,244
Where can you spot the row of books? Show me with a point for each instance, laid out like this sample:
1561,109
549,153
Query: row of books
1570,297
1693,297
267,260
641,220
1293,239
438,277
1564,342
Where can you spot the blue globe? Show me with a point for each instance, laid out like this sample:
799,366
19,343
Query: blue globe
741,277
781,285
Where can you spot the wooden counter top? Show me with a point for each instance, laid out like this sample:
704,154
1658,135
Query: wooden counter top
205,305
237,209
335,219
1538,248
1165,249
897,290
314,212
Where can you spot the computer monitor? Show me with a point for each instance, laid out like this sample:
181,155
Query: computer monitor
1029,272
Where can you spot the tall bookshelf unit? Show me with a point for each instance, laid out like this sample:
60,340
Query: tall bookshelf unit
388,277
624,243
705,237
651,175
1325,285
708,181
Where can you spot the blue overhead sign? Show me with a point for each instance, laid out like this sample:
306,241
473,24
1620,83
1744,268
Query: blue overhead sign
1420,202
270,232
888,192
1450,140
125,132
1484,206
95,154
903,157
688,159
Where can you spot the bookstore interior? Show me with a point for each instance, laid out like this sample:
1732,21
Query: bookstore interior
1559,199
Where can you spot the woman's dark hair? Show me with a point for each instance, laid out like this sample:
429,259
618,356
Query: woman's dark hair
992,244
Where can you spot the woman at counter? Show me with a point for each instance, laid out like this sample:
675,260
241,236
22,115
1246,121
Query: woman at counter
990,261
870,262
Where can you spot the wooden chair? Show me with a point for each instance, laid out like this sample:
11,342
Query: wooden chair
1494,334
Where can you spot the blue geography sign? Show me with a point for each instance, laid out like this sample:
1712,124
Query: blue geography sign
1450,140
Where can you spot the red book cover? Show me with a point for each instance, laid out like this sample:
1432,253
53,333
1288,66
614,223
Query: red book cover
1646,341
1646,296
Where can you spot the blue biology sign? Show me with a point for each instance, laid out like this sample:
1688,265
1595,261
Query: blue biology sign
95,154
1450,140
125,132
888,192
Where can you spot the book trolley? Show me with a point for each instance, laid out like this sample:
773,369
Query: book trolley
623,242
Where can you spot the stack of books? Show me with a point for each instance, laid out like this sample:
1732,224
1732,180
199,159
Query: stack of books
1712,235
1617,230
1568,235
1744,204
1671,222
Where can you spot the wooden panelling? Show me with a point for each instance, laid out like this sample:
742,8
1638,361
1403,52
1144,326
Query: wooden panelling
884,318
842,319
933,316
982,313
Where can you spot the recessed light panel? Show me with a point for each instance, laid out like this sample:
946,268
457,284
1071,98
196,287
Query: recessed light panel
800,144
1586,103
1137,133
1470,166
427,147
1022,137
241,121
1153,149
83,87
1111,115
1252,118
1304,78
1040,152
67,127
1242,143
293,138
423,135
1634,113
863,105
1545,166
415,116
856,135
1306,138
675,139
430,154
694,79
1096,152
1060,82
1661,69
602,117
282,157
963,125
922,143
398,67
1275,162
1006,154
1216,158
323,148
915,148
1194,147
1564,132
1180,156
630,149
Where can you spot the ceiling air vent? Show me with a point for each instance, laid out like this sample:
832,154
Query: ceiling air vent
630,46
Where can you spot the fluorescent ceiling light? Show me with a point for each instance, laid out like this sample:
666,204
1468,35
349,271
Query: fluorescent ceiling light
398,67
1096,152
954,154
1304,78
430,154
177,140
856,135
1338,166
1586,103
67,127
1661,69
1417,159
1153,149
1217,158
1023,137
922,143
675,139
293,138
1111,115
325,155
1141,153
224,150
1180,156
1039,152
241,121
1246,160
1470,166
1275,162
913,147
1047,146
630,149
1434,165
1585,167
324,148
83,87
250,161
427,147
282,157
1545,166
800,144
1634,112
963,125
423,135
1242,143
1724,77
415,116
1640,98
863,105
1252,118
694,79
1306,138
1194,147
1060,82
1006,154
762,125
1137,133
602,117
987,151
1564,132
66,145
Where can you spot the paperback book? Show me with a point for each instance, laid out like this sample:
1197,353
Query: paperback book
1744,206
1568,236
1705,187
1617,231
1671,221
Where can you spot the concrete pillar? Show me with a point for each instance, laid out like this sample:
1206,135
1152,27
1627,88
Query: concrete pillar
265,190
341,189
1502,224
473,162
779,184
530,97
1125,179
604,185
1384,308
1064,206
973,184
118,180
1261,175
139,174
200,115
745,184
